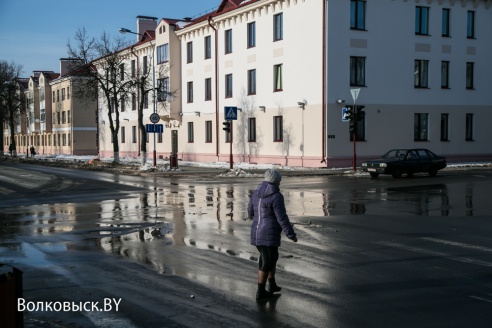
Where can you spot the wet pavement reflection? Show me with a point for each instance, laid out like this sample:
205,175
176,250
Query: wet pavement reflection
180,225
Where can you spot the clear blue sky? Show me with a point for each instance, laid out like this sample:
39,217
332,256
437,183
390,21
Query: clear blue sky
34,33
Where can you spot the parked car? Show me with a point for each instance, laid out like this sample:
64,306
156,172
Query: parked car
409,161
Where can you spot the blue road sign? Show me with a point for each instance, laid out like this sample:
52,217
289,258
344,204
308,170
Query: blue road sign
230,113
344,117
154,128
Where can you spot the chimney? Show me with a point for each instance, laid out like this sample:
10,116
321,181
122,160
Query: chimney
145,23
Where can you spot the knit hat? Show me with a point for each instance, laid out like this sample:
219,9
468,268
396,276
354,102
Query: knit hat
273,176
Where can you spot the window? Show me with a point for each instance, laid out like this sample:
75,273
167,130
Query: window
189,89
63,94
208,89
162,89
57,95
68,92
278,27
277,78
469,127
53,97
122,72
64,138
420,127
69,116
228,41
190,132
159,137
189,52
358,14
134,134
444,127
278,131
251,82
208,47
146,100
357,71
445,75
133,67
163,53
251,34
64,117
470,25
228,86
134,102
445,22
422,20
145,65
122,104
421,73
469,75
251,129
122,134
208,131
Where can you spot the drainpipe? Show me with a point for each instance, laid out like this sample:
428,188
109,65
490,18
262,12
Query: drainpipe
216,89
138,99
323,101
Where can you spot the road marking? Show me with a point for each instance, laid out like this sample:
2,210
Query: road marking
439,254
458,244
481,299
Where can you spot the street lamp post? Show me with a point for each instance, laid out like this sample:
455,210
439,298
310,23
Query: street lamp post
123,31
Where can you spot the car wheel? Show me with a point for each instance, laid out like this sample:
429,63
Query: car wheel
433,172
374,174
397,173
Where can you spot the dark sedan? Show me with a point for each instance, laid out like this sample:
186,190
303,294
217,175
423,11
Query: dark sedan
409,161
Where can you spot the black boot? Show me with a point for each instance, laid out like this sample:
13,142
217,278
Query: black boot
262,293
272,286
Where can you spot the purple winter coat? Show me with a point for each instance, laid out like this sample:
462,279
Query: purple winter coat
270,217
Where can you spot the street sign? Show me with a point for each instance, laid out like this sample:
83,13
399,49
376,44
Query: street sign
355,93
344,116
154,128
230,113
154,118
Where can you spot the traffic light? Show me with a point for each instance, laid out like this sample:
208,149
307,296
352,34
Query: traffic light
227,126
360,113
352,126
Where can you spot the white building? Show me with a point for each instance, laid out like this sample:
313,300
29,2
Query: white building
290,65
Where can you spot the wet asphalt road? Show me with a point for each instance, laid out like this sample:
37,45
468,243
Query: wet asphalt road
371,253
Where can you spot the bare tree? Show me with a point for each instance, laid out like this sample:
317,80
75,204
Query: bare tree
11,99
103,63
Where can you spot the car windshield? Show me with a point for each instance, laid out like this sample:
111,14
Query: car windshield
396,153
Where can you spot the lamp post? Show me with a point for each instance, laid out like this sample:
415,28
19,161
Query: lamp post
123,31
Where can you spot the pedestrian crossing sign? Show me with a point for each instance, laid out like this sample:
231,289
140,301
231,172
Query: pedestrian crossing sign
230,113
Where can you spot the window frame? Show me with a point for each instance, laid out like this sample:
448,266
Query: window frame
278,84
162,88
278,132
191,133
357,71
445,74
208,89
470,24
421,74
208,132
444,132
208,47
445,26
252,129
228,41
189,92
251,35
251,82
278,27
469,127
470,72
421,127
189,52
358,15
163,53
228,86
422,14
